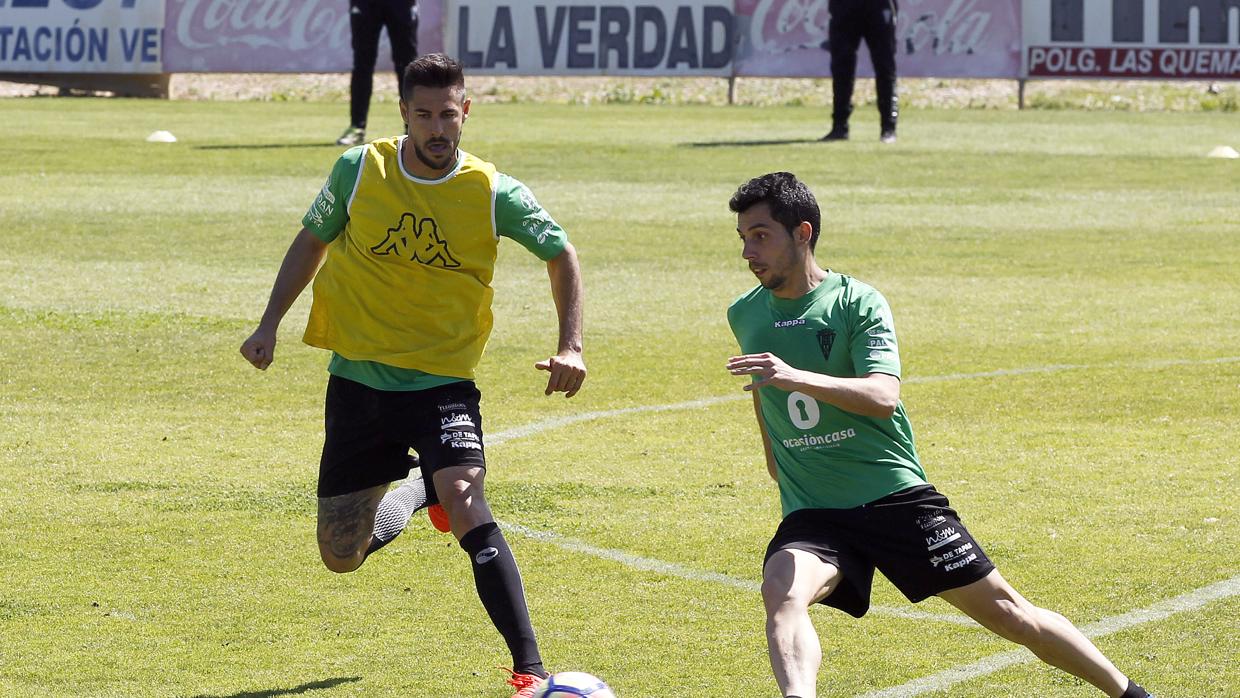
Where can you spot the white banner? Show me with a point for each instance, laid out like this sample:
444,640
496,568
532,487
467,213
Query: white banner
1162,39
629,37
81,36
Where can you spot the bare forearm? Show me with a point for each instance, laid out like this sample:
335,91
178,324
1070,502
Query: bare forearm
567,291
767,453
874,395
300,264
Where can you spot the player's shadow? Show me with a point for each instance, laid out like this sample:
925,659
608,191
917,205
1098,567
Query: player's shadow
748,144
265,146
294,691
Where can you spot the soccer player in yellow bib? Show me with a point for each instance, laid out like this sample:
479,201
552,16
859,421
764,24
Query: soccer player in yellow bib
406,232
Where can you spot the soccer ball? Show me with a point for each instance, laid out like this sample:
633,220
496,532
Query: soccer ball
573,684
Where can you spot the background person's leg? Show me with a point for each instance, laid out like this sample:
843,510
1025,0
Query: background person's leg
402,28
365,24
880,39
843,39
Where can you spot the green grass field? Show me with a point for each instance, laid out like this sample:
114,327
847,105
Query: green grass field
156,492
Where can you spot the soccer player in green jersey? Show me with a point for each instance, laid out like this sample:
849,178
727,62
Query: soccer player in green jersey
406,231
820,349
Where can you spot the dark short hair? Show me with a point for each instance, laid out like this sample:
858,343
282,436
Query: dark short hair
790,201
434,70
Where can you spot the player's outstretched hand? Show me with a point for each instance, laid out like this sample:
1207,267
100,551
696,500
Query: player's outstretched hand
568,371
260,348
770,369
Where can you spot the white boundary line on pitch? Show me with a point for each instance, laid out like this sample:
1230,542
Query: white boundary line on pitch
672,569
662,567
947,678
568,420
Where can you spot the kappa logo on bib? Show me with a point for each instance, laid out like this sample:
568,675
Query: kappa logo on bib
418,240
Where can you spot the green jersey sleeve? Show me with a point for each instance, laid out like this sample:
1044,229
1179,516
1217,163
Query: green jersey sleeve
330,211
519,216
873,340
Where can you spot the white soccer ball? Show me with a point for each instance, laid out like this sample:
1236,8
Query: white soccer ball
573,684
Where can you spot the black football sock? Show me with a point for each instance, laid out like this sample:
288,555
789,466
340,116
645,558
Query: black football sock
499,586
1135,691
395,510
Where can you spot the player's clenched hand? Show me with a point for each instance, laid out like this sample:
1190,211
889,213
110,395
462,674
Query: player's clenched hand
770,370
567,370
260,348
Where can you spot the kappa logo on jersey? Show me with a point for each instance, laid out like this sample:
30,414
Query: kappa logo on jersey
418,240
780,324
825,339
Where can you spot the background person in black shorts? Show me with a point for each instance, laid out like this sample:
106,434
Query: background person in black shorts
821,350
366,19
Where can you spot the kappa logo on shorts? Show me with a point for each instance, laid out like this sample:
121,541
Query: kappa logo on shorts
960,563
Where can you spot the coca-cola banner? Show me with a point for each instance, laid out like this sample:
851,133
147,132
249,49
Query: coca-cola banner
275,36
571,37
80,36
1110,39
936,38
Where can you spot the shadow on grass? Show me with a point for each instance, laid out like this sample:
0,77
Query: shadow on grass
265,146
294,691
747,144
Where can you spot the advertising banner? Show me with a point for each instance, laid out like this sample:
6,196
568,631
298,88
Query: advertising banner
275,36
619,37
81,36
1126,39
936,38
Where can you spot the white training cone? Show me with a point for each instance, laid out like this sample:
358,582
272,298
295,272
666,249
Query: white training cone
161,137
1223,151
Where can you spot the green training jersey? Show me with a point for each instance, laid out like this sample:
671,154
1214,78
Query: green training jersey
413,312
828,458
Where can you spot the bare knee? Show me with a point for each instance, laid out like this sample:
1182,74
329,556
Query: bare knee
1019,622
461,494
345,525
341,565
778,596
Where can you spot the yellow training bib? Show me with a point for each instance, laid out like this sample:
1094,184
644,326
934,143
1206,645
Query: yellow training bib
408,281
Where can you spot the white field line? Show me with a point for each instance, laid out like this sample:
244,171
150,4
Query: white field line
567,420
672,569
947,678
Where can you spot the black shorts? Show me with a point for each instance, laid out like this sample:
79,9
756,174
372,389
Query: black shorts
370,432
913,537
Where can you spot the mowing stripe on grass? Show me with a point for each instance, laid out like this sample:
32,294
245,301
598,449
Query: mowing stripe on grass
947,678
567,420
672,569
